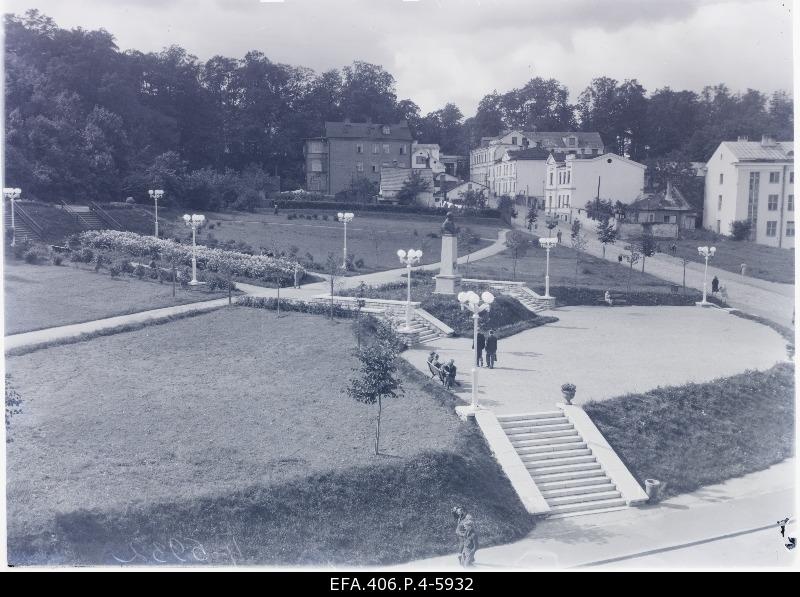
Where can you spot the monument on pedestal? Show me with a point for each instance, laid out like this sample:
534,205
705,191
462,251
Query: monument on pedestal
448,280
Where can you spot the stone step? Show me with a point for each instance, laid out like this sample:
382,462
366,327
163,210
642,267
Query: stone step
532,425
544,467
595,477
565,437
557,474
555,455
578,490
584,497
543,415
596,505
542,449
540,432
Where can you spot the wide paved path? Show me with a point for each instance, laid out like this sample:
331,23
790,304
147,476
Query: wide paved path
609,351
771,300
718,526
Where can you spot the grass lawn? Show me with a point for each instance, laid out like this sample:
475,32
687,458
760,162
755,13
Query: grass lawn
43,296
766,263
593,272
232,430
373,238
700,434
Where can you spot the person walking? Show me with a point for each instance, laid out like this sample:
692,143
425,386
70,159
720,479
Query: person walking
715,285
467,536
297,275
450,374
479,352
743,269
491,349
674,249
619,258
558,236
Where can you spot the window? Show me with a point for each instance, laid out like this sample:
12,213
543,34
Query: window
572,142
316,147
376,148
359,148
374,167
772,228
721,178
551,179
359,166
791,177
316,165
719,203
386,130
772,203
790,228
402,149
774,177
752,200
790,203
421,160
667,218
651,217
594,151
386,148
513,140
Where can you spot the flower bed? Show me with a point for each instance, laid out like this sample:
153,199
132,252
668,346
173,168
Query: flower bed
258,267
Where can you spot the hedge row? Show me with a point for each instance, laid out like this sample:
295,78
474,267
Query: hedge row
373,207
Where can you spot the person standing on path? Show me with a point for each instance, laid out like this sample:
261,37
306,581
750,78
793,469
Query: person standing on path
715,285
558,236
491,349
467,536
481,345
743,269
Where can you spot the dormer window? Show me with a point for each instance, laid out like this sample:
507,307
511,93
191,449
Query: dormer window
572,141
513,140
386,130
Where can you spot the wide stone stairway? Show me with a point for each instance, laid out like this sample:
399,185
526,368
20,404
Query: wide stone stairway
562,465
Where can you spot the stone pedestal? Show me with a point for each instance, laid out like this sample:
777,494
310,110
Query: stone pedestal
448,280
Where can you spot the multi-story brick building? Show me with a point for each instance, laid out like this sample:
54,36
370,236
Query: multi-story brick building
751,180
352,150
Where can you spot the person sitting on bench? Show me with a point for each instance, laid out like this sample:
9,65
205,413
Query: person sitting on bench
449,371
607,298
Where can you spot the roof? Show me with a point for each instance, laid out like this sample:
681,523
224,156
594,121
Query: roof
756,152
555,139
533,153
669,199
368,130
393,178
475,185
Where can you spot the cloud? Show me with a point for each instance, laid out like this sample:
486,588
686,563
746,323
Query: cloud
460,50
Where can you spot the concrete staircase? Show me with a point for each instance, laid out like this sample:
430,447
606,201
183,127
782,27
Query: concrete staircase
23,232
562,466
424,331
529,299
85,217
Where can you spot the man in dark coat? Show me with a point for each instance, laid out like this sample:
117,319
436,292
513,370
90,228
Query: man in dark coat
491,349
467,536
481,344
715,285
450,374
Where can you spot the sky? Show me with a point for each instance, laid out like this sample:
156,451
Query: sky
457,51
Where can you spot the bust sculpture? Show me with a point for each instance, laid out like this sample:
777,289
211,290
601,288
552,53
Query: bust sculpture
449,226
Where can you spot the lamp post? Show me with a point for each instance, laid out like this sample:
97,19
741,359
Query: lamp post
194,221
12,195
344,218
707,253
476,305
410,258
155,195
547,244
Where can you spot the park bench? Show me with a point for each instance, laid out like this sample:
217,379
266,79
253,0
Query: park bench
617,298
59,249
437,372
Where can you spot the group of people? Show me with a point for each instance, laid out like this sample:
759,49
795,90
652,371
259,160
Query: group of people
446,370
488,343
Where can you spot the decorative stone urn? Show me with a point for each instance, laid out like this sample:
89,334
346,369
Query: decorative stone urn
568,391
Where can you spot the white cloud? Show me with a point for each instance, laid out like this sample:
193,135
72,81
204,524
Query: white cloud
459,50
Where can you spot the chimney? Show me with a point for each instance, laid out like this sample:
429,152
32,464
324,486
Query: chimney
767,141
668,194
742,138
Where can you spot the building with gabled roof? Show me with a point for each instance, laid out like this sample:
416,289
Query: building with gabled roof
752,180
664,212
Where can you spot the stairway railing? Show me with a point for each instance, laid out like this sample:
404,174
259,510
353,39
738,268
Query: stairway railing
29,221
78,217
105,216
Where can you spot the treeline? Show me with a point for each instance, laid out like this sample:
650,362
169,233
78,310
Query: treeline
86,121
